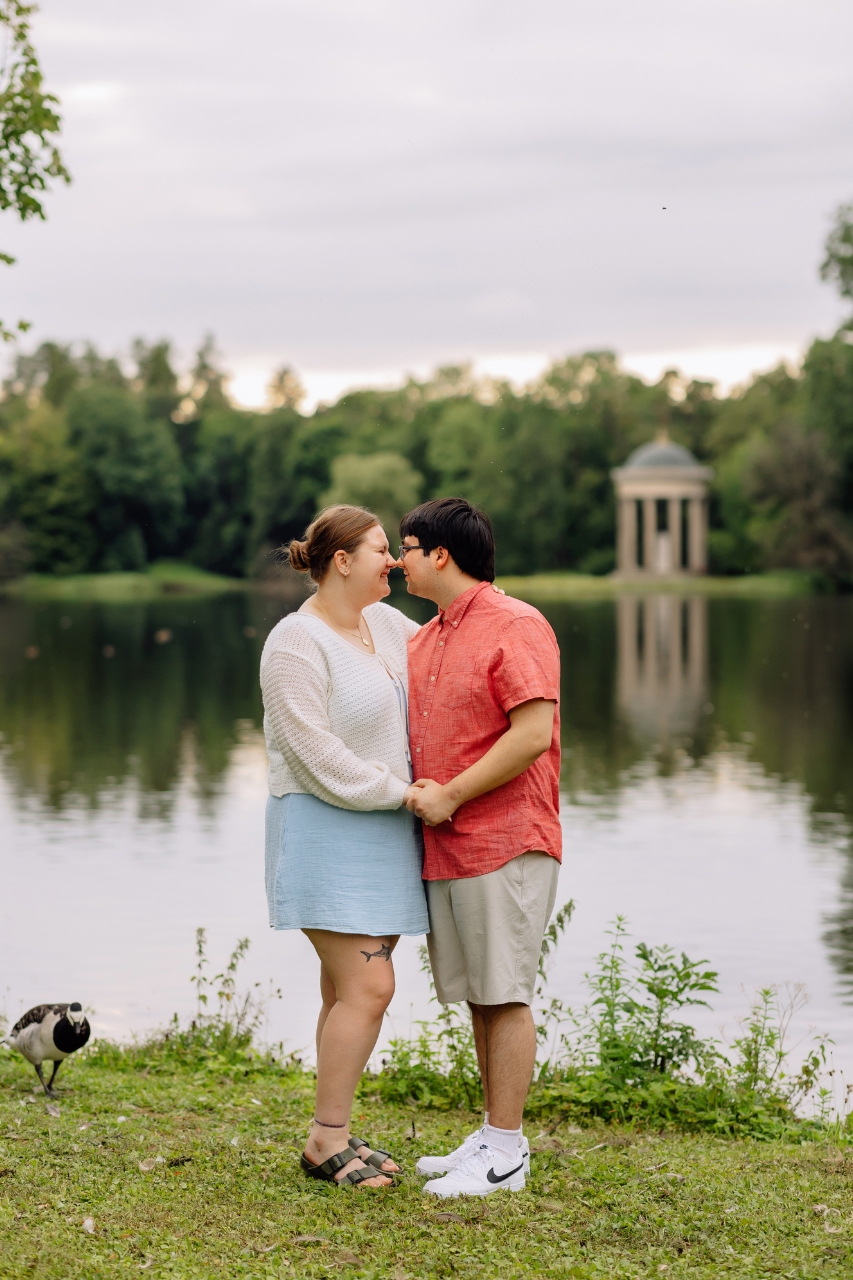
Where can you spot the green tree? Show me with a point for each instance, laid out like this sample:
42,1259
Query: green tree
285,391
133,468
838,262
208,378
29,158
744,423
218,498
828,389
156,380
50,371
279,507
44,489
792,480
384,482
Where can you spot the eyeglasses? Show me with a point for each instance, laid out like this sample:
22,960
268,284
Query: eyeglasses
401,554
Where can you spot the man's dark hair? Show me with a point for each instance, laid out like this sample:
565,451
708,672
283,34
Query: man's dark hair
461,529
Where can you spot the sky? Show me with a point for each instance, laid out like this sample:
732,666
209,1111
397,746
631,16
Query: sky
361,188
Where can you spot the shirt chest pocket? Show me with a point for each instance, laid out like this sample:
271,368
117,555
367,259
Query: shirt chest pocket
454,692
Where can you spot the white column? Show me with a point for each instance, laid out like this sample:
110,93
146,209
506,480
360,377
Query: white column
675,533
650,534
697,534
627,536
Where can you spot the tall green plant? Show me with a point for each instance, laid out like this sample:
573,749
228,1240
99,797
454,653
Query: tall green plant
630,1028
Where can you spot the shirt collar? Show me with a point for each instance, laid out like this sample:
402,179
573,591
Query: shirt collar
455,612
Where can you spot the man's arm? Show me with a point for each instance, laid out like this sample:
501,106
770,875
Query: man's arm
529,735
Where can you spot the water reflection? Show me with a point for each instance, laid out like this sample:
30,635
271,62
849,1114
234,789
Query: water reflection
109,706
662,674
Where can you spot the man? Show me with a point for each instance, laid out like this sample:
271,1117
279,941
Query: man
485,739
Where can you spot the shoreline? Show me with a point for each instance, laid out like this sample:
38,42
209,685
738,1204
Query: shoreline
172,579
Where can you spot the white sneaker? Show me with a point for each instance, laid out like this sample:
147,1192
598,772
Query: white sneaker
484,1171
444,1164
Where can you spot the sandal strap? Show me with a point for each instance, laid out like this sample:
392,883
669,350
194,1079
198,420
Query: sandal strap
359,1175
377,1156
377,1159
327,1170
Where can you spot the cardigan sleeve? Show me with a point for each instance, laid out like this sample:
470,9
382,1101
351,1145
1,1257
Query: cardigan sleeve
295,702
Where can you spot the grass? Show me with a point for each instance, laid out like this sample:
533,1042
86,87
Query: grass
220,1194
556,587
165,578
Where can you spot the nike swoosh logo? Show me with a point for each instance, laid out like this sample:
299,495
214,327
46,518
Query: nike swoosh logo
493,1177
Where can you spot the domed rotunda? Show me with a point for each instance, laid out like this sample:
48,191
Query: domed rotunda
662,511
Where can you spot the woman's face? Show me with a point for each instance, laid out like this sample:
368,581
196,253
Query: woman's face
369,566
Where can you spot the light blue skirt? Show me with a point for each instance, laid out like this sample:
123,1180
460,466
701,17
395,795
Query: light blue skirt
347,871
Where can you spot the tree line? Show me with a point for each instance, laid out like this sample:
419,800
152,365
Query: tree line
107,467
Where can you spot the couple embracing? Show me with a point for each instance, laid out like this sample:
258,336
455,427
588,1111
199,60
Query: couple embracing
414,789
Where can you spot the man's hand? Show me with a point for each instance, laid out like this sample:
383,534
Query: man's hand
430,801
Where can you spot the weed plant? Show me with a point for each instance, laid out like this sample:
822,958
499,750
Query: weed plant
628,1056
224,1039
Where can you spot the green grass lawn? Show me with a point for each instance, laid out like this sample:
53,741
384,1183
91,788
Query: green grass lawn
166,578
182,1171
556,587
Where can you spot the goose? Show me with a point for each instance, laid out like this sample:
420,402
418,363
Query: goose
49,1033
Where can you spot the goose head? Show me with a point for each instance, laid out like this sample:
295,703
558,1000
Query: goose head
74,1013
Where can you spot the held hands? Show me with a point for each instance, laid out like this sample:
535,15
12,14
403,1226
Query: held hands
430,802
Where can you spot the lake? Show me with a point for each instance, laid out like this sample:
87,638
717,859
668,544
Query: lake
707,796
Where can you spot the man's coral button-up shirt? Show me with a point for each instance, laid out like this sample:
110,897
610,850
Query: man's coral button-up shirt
468,668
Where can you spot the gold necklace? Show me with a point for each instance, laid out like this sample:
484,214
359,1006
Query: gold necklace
356,634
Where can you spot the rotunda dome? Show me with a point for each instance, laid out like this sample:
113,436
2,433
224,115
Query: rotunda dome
661,452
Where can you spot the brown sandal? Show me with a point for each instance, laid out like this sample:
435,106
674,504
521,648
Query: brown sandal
326,1171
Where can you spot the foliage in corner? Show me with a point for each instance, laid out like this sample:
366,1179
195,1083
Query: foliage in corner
29,158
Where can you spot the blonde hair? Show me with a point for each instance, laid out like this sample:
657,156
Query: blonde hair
337,528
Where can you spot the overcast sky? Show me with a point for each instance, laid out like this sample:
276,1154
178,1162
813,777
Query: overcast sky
358,187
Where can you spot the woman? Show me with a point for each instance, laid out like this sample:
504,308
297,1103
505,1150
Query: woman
343,854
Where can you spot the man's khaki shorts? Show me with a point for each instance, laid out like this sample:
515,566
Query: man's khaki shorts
486,931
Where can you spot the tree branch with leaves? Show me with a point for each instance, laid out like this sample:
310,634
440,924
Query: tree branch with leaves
29,122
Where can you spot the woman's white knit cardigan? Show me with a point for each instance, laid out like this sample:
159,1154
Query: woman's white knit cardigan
332,718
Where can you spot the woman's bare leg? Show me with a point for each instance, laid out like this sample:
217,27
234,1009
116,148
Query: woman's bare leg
357,971
329,996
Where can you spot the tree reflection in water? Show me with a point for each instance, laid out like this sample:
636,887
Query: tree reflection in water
99,703
655,682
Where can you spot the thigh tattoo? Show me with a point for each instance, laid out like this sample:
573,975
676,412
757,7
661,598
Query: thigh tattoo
384,953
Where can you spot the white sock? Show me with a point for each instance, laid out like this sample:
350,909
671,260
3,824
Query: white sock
485,1118
506,1141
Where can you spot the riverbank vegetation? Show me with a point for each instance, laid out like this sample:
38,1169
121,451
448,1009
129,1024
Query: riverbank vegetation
164,578
174,578
108,465
178,1155
552,588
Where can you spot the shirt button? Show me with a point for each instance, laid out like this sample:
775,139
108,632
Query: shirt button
417,748
441,644
426,713
432,677
454,624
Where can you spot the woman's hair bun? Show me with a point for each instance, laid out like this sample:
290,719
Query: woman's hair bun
336,528
297,555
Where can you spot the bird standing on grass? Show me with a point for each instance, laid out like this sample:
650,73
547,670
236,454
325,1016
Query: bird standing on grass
50,1033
